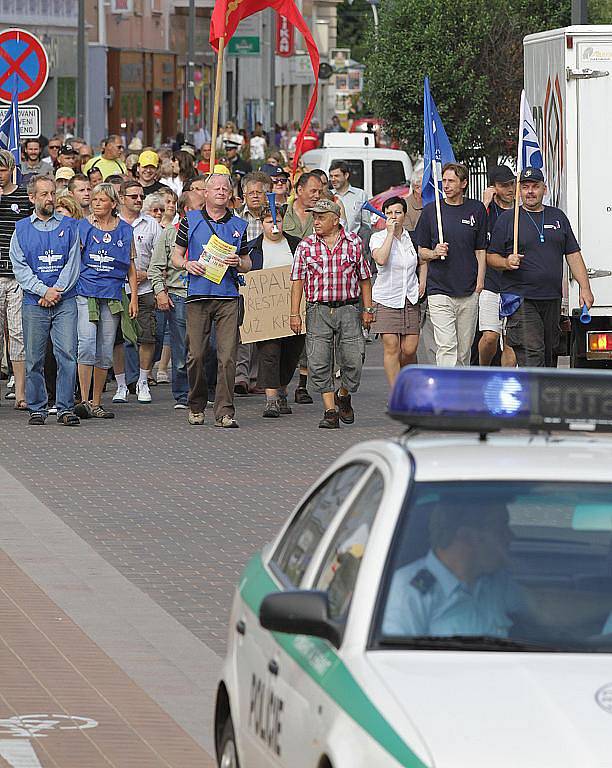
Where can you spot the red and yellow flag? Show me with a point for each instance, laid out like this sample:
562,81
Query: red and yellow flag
226,16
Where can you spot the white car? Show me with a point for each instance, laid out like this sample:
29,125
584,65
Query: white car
441,600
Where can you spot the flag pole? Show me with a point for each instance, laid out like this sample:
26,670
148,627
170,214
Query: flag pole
216,105
519,163
434,170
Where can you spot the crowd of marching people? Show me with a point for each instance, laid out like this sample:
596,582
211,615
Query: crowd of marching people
106,273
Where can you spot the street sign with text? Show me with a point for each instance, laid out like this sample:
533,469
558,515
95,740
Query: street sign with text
243,46
29,121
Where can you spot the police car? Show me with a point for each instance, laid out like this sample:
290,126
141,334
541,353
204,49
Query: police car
442,599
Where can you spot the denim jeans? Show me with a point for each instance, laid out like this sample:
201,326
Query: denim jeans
176,319
60,323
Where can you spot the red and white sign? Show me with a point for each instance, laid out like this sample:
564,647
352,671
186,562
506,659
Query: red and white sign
157,109
22,55
285,36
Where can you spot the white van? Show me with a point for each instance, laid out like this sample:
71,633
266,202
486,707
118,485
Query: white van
373,169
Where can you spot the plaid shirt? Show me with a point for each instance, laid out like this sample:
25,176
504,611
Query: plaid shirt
254,225
331,275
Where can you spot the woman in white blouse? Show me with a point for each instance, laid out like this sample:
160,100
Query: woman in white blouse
397,289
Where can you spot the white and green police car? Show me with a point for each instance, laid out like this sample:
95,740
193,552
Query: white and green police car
442,600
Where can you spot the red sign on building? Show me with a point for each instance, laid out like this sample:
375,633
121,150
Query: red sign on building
285,36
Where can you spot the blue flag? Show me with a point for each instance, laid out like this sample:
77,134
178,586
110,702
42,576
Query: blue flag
437,146
9,129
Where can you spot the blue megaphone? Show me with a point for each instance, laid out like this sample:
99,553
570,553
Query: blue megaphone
585,317
368,207
272,205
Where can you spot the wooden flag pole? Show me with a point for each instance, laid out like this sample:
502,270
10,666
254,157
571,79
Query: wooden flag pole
216,105
434,169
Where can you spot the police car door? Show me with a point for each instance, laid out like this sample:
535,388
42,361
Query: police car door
262,713
307,708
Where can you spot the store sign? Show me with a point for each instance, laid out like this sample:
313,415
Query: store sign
243,46
285,36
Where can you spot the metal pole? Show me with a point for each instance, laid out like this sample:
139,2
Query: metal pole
82,71
190,69
272,73
580,12
375,14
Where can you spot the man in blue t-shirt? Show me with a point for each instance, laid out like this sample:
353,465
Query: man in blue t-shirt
531,280
456,266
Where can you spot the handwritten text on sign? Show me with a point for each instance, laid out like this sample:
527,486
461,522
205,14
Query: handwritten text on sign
267,305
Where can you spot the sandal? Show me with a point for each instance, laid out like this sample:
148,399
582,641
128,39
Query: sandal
69,419
83,410
21,405
97,412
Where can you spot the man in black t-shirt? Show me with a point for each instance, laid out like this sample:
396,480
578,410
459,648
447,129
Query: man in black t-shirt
455,268
497,198
531,280
14,205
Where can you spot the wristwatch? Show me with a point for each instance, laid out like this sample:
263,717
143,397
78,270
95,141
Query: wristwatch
369,310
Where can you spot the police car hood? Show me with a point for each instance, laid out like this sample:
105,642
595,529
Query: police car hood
500,709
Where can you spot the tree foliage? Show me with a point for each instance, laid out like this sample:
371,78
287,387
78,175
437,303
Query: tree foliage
473,53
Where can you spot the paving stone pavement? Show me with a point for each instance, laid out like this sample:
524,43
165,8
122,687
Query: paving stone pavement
178,510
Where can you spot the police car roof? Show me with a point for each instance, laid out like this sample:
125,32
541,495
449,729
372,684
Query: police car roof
511,457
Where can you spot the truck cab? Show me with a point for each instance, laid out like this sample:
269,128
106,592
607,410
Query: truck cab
568,82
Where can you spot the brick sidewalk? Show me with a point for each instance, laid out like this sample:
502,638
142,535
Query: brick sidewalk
49,667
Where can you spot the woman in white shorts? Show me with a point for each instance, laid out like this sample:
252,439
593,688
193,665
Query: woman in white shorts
397,289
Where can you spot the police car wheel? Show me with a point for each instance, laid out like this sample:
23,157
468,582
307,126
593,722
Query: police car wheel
228,752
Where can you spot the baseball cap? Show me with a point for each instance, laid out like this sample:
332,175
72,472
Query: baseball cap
501,174
221,170
148,157
274,171
189,148
67,149
64,173
532,174
326,206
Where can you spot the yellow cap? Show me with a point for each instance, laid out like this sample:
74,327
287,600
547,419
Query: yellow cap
221,169
64,173
148,157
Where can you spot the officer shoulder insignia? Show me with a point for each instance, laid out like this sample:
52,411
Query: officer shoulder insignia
423,581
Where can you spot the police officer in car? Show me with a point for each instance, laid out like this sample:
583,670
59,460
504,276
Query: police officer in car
461,586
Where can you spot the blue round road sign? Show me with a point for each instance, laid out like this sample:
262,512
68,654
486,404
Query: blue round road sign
22,56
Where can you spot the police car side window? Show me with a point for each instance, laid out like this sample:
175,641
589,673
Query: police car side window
300,541
343,560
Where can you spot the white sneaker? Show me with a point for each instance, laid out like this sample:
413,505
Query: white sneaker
180,407
142,390
53,410
121,395
162,377
11,383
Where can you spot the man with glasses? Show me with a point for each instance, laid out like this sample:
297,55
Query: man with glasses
53,147
146,234
109,162
281,186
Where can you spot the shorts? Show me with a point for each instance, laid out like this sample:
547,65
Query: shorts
488,312
96,340
147,324
403,321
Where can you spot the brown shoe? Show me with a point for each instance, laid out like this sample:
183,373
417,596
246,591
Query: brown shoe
330,420
345,409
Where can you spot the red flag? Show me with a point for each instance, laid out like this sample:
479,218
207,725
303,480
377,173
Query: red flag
226,16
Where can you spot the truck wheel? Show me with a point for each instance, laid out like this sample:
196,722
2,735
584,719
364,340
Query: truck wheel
228,751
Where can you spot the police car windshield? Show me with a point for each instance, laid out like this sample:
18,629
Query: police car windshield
510,566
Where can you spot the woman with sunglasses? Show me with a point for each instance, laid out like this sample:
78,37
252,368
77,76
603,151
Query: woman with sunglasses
107,258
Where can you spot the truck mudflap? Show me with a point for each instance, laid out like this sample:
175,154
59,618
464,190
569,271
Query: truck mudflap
581,355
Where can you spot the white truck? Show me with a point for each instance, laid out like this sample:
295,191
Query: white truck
373,169
568,83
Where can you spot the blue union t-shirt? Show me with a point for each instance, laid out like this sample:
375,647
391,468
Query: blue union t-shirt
465,230
540,275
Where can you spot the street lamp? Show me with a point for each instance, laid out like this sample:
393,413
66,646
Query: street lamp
374,6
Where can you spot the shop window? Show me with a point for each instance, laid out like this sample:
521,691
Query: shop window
66,104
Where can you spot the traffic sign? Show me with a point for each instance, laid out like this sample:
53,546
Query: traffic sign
22,55
29,121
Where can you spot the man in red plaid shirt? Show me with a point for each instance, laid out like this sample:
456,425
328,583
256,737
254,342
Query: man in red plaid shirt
330,269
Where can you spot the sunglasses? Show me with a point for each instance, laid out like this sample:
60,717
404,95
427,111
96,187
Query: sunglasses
157,210
54,146
279,181
136,197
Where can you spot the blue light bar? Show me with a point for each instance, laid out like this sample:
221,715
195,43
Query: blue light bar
488,399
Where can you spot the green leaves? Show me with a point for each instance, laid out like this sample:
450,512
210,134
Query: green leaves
472,52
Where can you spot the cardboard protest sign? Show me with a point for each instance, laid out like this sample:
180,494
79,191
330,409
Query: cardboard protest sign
267,305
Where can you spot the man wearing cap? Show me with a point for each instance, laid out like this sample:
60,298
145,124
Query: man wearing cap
503,188
214,229
148,172
63,176
67,156
330,269
531,280
110,161
280,182
238,166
